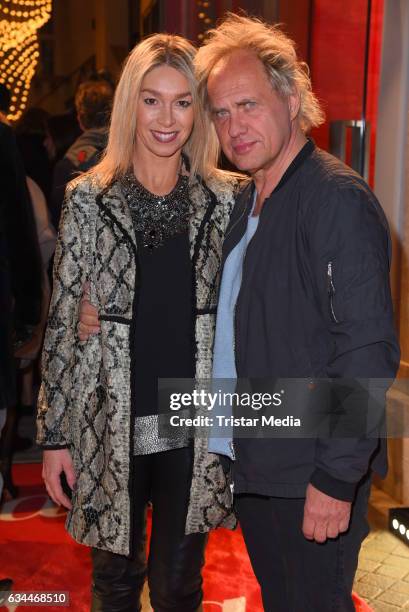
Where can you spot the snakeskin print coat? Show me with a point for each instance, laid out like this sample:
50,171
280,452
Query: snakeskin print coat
84,402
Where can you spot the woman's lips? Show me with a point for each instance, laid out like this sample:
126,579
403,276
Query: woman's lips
164,137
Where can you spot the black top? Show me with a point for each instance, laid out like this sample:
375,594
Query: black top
164,330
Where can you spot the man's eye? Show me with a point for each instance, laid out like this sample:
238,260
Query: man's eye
220,114
184,103
150,101
250,104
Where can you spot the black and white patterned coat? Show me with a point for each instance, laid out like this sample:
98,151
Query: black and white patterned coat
84,401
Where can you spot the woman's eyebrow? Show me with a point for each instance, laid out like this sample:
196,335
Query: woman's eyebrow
159,93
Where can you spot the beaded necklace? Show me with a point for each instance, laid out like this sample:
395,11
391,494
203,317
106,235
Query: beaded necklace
155,217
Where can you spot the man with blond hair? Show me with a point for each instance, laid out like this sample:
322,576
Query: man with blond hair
304,293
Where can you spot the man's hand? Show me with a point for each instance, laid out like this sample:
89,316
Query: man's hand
56,462
324,516
88,323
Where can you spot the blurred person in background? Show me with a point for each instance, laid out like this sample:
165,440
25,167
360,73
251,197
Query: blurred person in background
7,388
28,353
31,132
103,75
93,101
62,131
7,370
32,164
22,274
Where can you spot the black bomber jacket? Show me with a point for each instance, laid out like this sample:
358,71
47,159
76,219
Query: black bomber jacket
314,301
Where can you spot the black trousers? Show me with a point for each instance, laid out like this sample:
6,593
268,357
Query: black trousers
175,559
295,574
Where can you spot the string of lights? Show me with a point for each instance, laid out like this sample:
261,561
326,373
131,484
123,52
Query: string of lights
204,14
20,21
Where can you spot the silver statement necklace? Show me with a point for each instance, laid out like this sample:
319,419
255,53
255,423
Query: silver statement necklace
157,218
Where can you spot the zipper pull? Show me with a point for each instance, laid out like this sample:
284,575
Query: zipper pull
331,291
331,288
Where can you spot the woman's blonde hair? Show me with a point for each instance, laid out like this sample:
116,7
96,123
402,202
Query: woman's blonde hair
157,50
273,48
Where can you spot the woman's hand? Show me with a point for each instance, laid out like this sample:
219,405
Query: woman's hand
88,323
55,463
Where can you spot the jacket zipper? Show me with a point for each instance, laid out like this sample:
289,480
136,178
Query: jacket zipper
236,222
235,328
242,213
331,291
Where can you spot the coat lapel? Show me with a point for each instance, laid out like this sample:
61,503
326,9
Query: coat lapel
198,206
115,209
115,264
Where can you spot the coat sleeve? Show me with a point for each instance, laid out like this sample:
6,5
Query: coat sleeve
69,276
350,249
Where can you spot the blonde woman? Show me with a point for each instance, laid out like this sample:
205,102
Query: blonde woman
144,228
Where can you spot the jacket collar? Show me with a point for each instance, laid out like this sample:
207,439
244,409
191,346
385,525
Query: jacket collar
298,160
238,219
114,208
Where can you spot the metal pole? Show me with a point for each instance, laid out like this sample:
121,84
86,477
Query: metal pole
365,91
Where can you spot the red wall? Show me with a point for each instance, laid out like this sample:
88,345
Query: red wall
337,59
295,17
373,77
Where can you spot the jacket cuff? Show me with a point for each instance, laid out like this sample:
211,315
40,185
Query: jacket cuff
339,489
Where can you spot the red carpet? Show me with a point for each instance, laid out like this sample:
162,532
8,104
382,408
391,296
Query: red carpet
40,556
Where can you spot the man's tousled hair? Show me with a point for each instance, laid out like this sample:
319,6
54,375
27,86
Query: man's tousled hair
273,48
